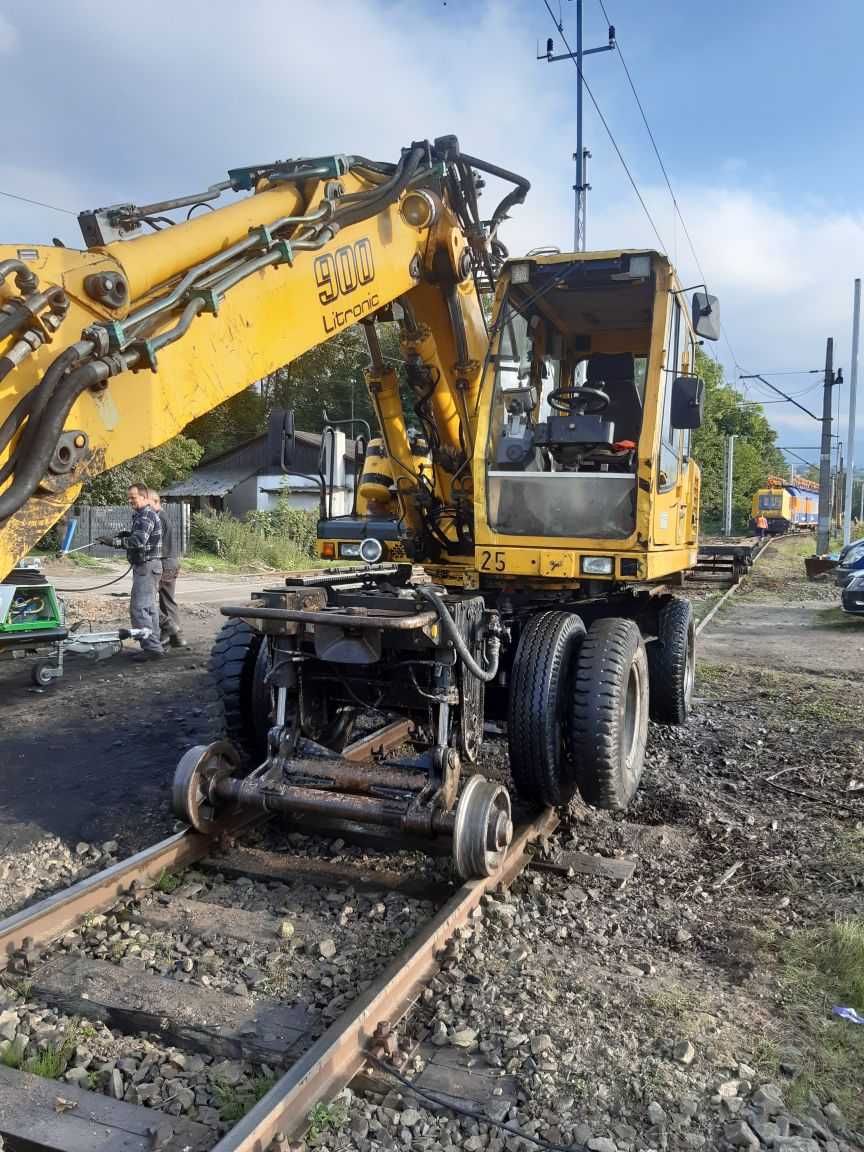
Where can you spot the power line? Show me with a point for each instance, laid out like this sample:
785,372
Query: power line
38,203
609,132
675,203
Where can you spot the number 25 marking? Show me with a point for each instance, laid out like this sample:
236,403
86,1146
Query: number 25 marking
492,561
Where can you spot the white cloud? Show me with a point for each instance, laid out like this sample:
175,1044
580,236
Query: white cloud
8,36
238,84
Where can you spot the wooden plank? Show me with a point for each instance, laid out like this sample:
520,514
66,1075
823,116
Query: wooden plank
32,1119
262,865
203,1019
215,921
613,867
461,1075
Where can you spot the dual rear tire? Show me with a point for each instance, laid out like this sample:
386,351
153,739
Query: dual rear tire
580,703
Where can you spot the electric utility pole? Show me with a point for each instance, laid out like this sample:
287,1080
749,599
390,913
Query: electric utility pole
728,467
581,155
823,532
850,438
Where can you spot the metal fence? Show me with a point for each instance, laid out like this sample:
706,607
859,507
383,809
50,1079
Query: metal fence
93,521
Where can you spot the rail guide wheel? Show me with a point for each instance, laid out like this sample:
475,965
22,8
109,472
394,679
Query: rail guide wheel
194,777
483,829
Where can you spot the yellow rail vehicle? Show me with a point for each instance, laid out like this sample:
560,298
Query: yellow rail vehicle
532,456
788,506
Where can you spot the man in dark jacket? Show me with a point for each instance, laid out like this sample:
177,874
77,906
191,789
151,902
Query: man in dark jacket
170,631
143,546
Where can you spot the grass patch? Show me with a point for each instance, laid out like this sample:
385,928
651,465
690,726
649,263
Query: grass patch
12,1052
53,1061
834,618
167,882
327,1118
820,968
234,1103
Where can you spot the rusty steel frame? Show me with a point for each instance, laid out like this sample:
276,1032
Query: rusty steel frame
334,1059
50,918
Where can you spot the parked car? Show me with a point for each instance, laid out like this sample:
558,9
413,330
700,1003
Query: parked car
852,563
852,595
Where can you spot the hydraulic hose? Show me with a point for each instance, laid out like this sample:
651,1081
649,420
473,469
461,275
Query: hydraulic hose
35,462
451,631
26,279
33,405
10,322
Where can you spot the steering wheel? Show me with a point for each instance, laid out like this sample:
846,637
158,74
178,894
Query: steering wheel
587,401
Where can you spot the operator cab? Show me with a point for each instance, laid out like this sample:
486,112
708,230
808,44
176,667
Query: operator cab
572,372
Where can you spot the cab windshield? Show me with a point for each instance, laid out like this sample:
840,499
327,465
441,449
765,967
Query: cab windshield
568,400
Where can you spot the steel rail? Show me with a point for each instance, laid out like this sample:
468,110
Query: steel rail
48,919
334,1059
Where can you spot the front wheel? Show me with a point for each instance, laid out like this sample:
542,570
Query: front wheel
672,664
540,697
609,716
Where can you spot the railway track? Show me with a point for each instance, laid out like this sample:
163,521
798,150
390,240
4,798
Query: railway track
203,972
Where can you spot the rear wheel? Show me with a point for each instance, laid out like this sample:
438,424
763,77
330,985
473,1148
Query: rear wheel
540,701
239,662
609,716
672,664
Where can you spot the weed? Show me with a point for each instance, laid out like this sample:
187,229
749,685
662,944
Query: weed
167,882
52,1061
234,1103
327,1118
24,988
280,540
12,1052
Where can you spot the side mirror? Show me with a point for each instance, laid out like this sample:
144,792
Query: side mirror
685,410
281,439
706,316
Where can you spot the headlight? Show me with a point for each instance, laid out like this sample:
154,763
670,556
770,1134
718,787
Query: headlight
520,273
597,565
349,551
370,550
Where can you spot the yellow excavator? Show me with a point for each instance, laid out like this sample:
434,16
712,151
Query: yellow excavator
510,547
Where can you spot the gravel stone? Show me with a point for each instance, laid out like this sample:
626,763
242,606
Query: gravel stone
602,1144
741,1135
656,1114
684,1052
769,1098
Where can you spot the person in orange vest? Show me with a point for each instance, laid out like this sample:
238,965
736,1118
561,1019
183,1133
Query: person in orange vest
761,525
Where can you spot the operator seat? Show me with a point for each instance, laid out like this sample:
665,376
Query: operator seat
615,374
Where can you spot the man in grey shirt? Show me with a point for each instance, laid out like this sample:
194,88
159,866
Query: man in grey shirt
170,631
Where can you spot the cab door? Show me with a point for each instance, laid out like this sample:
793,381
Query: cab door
670,503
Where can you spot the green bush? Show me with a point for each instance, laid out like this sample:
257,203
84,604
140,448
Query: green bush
257,541
286,523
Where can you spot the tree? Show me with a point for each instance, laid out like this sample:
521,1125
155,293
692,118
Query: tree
757,457
329,377
171,461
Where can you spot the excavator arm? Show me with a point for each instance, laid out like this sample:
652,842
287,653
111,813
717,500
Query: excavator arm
108,352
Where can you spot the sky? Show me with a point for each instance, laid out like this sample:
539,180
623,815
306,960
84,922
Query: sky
755,109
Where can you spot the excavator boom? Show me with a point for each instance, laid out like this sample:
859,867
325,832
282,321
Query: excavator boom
108,352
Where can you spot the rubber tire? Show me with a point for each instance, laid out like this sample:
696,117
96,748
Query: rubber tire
539,707
239,661
39,674
671,663
607,778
